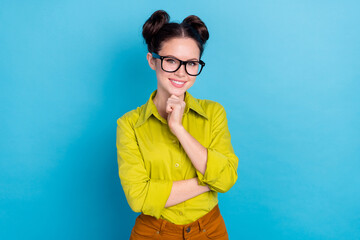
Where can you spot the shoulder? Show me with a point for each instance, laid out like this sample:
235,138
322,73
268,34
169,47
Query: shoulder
130,118
211,108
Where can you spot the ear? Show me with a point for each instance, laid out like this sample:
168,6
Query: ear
151,61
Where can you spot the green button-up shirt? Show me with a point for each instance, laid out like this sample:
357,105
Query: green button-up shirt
150,158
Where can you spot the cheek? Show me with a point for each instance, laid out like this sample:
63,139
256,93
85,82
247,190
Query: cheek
158,66
192,79
158,70
160,74
191,82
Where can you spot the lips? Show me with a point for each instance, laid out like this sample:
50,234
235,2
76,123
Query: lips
177,83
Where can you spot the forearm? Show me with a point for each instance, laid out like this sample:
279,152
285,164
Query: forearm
184,190
195,151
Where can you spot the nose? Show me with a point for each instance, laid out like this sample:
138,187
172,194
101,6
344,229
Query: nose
181,71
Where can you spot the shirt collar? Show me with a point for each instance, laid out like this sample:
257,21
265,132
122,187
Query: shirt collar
193,103
150,109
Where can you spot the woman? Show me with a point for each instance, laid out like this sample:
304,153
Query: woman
174,152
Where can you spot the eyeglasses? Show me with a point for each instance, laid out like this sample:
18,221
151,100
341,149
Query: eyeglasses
171,64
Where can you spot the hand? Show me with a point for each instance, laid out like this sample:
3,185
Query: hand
175,108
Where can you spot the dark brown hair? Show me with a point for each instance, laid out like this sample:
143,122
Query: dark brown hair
158,29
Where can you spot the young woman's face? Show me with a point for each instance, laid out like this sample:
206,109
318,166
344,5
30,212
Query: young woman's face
183,49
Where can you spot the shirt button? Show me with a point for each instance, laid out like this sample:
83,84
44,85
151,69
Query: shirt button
174,141
180,213
177,164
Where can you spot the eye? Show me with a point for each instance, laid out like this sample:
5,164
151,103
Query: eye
170,60
193,64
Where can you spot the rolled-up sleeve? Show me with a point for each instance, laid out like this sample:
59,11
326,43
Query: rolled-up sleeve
221,169
143,194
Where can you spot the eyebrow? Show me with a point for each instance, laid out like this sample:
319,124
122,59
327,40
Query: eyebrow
192,59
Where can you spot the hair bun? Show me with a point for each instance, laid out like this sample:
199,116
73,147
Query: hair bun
196,23
154,24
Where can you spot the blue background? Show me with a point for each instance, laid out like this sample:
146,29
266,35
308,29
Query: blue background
287,73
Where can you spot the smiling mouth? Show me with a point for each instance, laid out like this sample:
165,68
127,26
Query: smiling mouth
177,84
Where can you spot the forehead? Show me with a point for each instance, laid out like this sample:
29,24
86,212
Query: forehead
182,48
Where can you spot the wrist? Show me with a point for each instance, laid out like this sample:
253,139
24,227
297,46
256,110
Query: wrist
205,188
202,188
177,130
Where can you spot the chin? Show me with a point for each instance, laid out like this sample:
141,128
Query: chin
177,92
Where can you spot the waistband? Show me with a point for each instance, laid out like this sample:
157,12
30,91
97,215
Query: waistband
164,225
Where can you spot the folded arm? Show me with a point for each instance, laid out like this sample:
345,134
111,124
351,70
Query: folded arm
184,190
216,165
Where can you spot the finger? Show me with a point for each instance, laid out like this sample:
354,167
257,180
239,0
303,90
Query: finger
169,108
174,101
174,96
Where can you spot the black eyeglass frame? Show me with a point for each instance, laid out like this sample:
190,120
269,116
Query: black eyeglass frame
155,55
